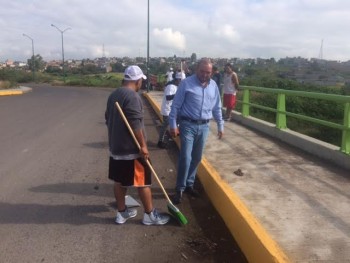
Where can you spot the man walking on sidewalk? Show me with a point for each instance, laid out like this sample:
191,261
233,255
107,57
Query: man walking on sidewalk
197,101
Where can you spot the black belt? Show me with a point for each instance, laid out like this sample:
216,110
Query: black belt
194,121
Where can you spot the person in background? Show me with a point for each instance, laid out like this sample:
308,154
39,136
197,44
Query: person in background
169,75
175,71
231,86
183,75
169,94
217,78
188,72
197,101
127,163
178,70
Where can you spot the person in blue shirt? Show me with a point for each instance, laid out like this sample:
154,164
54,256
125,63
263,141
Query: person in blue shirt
196,102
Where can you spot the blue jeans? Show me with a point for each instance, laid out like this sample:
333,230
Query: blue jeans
193,137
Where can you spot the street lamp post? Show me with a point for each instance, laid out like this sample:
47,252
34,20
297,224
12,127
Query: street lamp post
62,31
147,64
33,58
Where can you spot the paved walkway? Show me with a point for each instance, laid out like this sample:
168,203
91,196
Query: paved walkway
285,205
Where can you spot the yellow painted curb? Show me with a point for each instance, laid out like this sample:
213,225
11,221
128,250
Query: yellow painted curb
10,92
15,91
251,237
154,105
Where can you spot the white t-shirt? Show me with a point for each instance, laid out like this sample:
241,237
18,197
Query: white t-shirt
166,104
183,75
229,86
169,76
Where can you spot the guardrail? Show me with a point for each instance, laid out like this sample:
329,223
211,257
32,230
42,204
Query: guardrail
281,113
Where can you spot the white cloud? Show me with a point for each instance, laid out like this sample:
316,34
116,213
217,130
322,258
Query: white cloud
167,38
221,28
229,33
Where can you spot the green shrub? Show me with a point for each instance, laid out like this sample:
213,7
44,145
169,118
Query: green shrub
5,84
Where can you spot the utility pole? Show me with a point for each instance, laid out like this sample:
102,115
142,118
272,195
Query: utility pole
147,64
62,31
320,55
33,57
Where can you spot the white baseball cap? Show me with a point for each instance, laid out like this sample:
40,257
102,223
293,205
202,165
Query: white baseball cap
133,73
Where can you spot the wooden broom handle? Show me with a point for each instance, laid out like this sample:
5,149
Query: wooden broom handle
138,145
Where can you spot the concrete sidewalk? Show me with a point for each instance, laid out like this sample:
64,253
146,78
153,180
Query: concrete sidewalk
15,91
280,203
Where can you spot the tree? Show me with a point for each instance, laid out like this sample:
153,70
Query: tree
91,69
117,67
39,64
53,70
347,88
193,57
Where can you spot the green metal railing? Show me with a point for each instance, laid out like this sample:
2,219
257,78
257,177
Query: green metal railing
281,113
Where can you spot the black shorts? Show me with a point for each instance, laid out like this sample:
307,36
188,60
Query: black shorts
130,172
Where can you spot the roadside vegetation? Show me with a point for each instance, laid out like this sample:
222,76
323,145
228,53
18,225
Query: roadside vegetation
275,77
5,84
10,78
319,109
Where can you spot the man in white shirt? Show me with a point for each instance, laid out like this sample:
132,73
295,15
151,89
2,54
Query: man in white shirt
169,75
169,94
231,86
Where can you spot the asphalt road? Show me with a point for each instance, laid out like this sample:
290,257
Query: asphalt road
56,203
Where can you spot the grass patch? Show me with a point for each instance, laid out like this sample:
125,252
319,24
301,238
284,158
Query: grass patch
111,80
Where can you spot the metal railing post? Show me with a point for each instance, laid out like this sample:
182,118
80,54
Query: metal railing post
345,144
246,98
281,120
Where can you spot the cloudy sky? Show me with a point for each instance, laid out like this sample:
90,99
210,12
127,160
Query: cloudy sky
209,28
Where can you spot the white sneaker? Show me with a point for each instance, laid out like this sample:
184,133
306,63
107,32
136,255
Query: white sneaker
155,218
123,216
